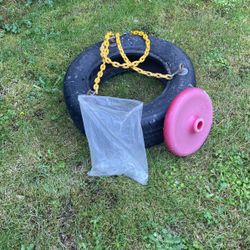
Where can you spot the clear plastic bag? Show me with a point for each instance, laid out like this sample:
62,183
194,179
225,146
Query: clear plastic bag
115,137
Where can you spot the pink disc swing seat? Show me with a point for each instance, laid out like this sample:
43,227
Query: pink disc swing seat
188,121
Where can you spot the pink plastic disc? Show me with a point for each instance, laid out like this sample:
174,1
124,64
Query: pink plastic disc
188,121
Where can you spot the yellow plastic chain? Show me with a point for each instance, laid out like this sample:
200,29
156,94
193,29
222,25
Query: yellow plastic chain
104,51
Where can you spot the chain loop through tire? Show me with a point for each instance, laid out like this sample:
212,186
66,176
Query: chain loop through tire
104,52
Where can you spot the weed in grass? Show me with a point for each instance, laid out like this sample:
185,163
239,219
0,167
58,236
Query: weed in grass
165,240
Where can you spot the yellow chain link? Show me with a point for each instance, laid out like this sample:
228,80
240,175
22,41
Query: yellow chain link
104,51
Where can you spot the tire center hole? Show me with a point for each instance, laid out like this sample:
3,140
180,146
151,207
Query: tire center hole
132,85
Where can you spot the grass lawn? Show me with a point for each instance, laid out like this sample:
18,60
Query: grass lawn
47,201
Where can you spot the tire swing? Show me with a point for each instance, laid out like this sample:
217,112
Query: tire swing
181,115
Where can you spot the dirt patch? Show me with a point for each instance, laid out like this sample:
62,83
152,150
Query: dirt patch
39,114
217,74
68,241
244,71
65,221
96,191
78,167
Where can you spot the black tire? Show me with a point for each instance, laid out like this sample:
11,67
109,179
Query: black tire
164,57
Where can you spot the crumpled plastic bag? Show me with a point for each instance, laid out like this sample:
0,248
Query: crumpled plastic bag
113,129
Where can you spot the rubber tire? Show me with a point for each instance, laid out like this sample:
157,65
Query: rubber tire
164,57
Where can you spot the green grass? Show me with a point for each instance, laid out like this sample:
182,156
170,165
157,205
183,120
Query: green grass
46,199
